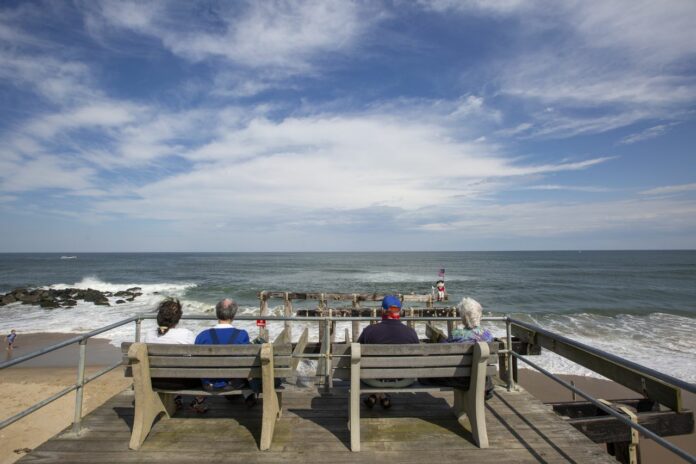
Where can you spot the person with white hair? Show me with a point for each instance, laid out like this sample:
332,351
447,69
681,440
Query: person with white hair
470,331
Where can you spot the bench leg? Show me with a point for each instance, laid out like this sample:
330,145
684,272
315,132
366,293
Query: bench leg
354,421
271,412
471,413
147,407
169,403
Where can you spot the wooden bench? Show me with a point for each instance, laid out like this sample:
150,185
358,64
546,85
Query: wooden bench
146,361
356,362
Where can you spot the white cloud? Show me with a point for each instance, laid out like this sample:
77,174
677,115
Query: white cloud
298,166
572,188
670,189
44,173
610,64
557,219
284,35
649,133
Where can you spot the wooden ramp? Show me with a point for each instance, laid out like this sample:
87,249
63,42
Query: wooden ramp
419,428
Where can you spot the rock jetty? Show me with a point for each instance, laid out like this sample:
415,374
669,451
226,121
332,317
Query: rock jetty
51,298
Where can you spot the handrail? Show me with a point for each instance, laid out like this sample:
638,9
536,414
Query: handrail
81,379
67,342
661,441
690,387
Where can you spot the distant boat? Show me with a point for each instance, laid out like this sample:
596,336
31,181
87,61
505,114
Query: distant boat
68,257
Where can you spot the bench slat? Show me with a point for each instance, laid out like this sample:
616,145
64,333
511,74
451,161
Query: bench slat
160,349
215,361
405,373
198,373
423,349
408,361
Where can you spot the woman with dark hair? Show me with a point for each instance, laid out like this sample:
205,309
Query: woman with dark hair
168,316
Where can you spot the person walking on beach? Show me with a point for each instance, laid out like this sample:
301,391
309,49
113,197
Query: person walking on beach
390,331
11,339
224,334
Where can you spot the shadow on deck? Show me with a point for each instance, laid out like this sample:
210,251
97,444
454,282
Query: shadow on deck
418,428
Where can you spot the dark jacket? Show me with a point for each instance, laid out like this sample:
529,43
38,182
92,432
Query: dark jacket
389,331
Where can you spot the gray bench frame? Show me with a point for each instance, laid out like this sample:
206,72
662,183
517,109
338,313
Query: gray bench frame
472,360
145,361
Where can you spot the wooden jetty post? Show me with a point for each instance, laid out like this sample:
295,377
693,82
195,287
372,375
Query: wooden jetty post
356,324
287,312
263,311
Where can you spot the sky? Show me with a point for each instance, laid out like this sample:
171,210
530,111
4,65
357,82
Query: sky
423,125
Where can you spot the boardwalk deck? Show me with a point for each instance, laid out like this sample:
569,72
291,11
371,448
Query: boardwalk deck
418,428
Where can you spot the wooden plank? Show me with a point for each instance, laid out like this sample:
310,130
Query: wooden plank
655,389
204,361
214,361
212,373
607,429
422,349
401,373
408,361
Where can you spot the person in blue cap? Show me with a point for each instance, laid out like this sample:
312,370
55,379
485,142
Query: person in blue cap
391,331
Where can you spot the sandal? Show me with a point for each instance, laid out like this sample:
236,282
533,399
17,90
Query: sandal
370,401
385,402
199,406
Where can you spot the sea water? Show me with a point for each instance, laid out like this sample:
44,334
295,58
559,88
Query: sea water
637,304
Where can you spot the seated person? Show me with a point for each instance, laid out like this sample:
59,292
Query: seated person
390,331
224,334
470,331
168,315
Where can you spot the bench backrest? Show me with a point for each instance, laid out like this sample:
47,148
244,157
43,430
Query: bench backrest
211,361
409,361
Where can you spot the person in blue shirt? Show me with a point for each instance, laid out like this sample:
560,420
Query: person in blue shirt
224,334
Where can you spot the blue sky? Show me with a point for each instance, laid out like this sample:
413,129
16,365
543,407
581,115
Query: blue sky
347,126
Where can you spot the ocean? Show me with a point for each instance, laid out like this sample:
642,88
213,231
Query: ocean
637,304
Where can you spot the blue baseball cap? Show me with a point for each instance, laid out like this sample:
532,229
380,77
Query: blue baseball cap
391,300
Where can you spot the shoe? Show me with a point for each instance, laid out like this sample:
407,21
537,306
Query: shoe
198,405
250,400
370,401
178,402
488,395
385,402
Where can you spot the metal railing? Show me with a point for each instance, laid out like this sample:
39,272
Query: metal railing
668,379
326,324
81,379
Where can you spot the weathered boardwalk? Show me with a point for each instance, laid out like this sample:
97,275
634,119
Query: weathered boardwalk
419,428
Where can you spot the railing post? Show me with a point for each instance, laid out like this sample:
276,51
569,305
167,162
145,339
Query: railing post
355,325
510,379
328,380
138,327
77,420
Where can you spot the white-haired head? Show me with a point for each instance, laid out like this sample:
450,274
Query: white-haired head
470,311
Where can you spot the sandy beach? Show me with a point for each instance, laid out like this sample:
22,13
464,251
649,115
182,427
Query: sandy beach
40,378
23,386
